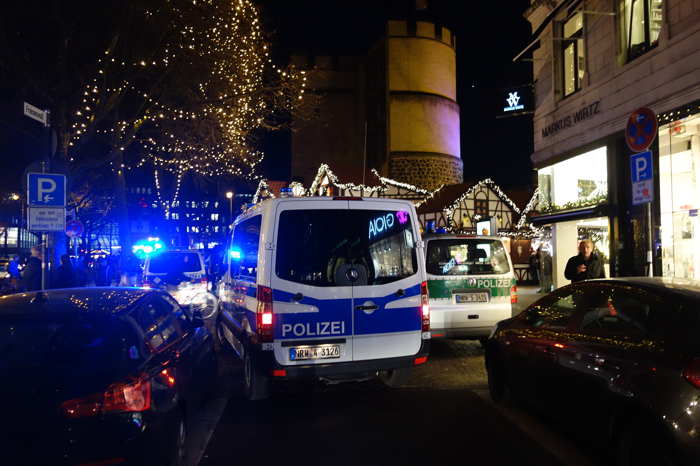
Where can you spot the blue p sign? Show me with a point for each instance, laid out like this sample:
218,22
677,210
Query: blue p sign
46,189
641,166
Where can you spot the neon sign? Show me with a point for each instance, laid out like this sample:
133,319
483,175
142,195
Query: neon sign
380,224
402,216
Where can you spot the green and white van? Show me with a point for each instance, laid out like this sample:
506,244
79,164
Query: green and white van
470,283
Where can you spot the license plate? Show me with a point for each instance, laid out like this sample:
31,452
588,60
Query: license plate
314,352
462,298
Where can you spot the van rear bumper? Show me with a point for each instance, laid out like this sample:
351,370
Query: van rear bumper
353,368
463,332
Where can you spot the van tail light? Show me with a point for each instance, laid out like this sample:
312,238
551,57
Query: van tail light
425,307
692,373
514,294
264,314
132,396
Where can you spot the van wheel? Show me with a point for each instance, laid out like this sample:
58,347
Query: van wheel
395,378
256,383
499,390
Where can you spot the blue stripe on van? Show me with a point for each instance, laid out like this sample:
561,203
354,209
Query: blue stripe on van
400,319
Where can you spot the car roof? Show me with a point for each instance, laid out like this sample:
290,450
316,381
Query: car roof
104,300
269,203
683,286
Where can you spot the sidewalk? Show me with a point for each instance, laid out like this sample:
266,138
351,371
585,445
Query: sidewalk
526,296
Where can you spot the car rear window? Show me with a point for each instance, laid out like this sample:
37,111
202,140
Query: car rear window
345,247
175,262
466,256
57,345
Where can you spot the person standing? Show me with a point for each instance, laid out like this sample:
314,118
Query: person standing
545,269
586,265
65,274
32,273
13,269
534,263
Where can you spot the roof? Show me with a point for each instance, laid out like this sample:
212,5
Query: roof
444,197
670,284
107,300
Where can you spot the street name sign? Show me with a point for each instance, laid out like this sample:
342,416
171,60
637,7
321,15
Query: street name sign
46,189
47,219
36,113
641,129
642,171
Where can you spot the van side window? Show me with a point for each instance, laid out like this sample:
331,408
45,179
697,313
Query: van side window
244,247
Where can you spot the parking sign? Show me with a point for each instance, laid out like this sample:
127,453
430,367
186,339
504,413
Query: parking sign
46,190
642,171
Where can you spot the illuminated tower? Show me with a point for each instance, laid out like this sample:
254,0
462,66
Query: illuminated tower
423,115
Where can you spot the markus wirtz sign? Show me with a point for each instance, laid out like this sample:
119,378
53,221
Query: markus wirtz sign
570,120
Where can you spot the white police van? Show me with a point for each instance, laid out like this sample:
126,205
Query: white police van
331,288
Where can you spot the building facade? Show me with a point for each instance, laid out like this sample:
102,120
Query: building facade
594,63
393,109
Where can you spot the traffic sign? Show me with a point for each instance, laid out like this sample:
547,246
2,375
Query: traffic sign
36,113
641,129
642,171
74,228
47,219
46,189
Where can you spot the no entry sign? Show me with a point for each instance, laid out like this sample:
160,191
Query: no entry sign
641,129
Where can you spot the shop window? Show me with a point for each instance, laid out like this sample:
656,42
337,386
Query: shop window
641,22
679,195
578,182
572,58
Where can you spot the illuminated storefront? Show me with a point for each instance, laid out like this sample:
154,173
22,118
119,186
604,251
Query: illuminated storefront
679,196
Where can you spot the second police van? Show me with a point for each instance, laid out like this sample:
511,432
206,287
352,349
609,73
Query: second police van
331,288
471,284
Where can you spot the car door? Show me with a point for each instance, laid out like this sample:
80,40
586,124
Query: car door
312,305
387,294
614,351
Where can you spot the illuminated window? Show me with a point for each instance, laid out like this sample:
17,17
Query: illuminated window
481,207
641,22
175,216
573,59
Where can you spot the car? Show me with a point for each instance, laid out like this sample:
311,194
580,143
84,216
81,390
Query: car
331,288
471,285
183,270
617,360
100,376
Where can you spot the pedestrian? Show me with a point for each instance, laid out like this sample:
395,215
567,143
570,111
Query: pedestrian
32,273
113,272
545,269
13,268
534,262
586,265
101,272
65,274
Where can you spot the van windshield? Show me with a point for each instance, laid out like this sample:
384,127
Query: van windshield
466,256
345,247
175,262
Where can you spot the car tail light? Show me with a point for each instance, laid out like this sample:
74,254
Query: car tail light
425,307
514,294
420,360
692,373
133,396
264,314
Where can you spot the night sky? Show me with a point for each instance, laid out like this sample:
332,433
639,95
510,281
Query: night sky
489,35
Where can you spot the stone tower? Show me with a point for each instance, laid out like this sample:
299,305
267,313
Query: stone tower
423,115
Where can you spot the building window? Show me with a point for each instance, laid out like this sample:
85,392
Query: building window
641,24
215,216
578,182
573,60
481,207
175,216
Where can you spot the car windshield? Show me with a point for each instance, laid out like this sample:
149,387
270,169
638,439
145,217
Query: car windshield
345,247
174,262
466,256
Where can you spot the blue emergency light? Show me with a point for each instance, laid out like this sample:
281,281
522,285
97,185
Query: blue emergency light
235,254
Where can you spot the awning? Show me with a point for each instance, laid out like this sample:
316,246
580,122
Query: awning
601,210
536,35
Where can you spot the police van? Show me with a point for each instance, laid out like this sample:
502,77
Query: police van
471,284
331,288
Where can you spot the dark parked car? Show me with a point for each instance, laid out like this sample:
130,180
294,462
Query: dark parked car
617,359
99,376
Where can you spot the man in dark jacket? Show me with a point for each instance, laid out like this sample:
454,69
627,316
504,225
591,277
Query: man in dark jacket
65,274
32,273
586,265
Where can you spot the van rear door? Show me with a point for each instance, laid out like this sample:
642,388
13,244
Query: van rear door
387,288
312,304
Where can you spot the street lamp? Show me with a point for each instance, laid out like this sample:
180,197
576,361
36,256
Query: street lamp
229,196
